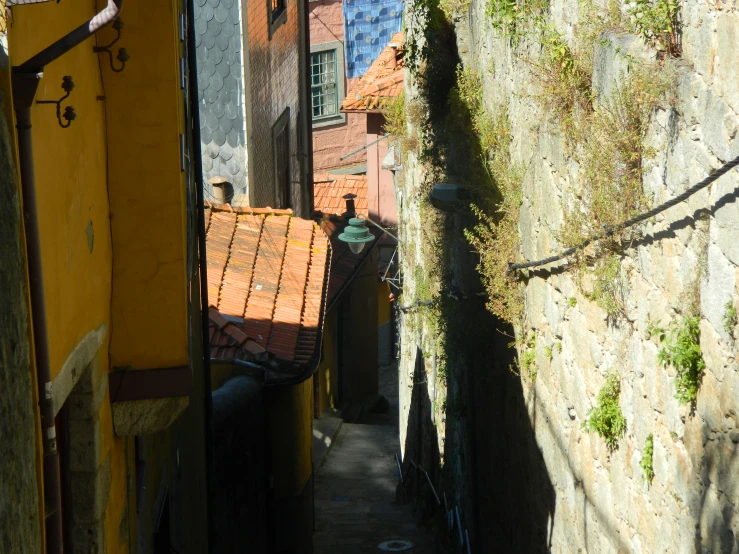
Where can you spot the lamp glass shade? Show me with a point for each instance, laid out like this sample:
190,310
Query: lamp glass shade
356,247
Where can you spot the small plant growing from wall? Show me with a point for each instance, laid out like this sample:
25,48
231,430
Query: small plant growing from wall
608,287
513,17
606,418
646,459
656,21
681,350
730,318
528,361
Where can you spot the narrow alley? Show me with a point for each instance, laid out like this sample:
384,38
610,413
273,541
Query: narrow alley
355,487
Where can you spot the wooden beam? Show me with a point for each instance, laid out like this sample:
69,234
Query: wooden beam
143,384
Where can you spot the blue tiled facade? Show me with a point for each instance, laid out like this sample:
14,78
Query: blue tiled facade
368,27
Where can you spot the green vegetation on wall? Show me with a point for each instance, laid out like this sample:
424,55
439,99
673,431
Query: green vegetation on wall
646,459
656,21
730,318
606,418
681,350
496,185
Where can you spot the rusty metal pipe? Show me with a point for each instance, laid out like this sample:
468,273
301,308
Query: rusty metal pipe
37,63
25,79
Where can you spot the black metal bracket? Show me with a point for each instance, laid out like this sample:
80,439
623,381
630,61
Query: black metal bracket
122,56
69,114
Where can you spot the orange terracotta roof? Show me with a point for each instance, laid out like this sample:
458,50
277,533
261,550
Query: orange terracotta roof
380,83
329,191
266,283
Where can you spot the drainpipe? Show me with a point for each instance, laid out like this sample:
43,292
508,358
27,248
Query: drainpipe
197,169
307,112
25,79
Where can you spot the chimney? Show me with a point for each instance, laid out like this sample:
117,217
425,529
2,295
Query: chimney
351,210
394,59
219,189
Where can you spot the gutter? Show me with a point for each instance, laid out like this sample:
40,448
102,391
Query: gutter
25,80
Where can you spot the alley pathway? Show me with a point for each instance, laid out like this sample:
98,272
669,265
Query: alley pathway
355,487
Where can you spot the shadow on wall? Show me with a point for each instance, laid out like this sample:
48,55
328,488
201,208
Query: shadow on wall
492,467
240,501
715,514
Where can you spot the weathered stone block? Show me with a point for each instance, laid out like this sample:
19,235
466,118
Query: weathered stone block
144,417
90,495
727,57
85,444
717,290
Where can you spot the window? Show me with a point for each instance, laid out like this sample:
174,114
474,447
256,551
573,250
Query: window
281,155
278,6
323,84
327,83
277,10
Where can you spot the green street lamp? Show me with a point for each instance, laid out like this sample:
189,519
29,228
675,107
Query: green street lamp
356,235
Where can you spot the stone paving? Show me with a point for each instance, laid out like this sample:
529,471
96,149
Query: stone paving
355,488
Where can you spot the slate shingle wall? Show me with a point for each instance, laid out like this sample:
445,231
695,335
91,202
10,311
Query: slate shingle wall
221,91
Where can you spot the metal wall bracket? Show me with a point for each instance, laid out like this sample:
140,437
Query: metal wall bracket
69,114
122,56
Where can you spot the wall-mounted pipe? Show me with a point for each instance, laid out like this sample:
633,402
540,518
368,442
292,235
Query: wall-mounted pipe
197,171
37,63
25,79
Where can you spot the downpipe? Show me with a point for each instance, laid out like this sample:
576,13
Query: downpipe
197,169
25,80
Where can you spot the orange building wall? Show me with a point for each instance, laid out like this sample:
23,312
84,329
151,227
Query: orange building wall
332,142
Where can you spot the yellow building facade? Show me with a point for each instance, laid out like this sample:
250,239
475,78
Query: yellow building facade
116,230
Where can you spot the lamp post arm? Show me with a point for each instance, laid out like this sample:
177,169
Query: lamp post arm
383,229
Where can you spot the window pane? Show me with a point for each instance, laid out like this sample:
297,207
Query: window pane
323,81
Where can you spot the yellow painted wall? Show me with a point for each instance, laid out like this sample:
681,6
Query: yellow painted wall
147,190
119,159
383,302
71,172
291,421
326,372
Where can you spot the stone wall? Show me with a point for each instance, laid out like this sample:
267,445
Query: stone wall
20,525
592,499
